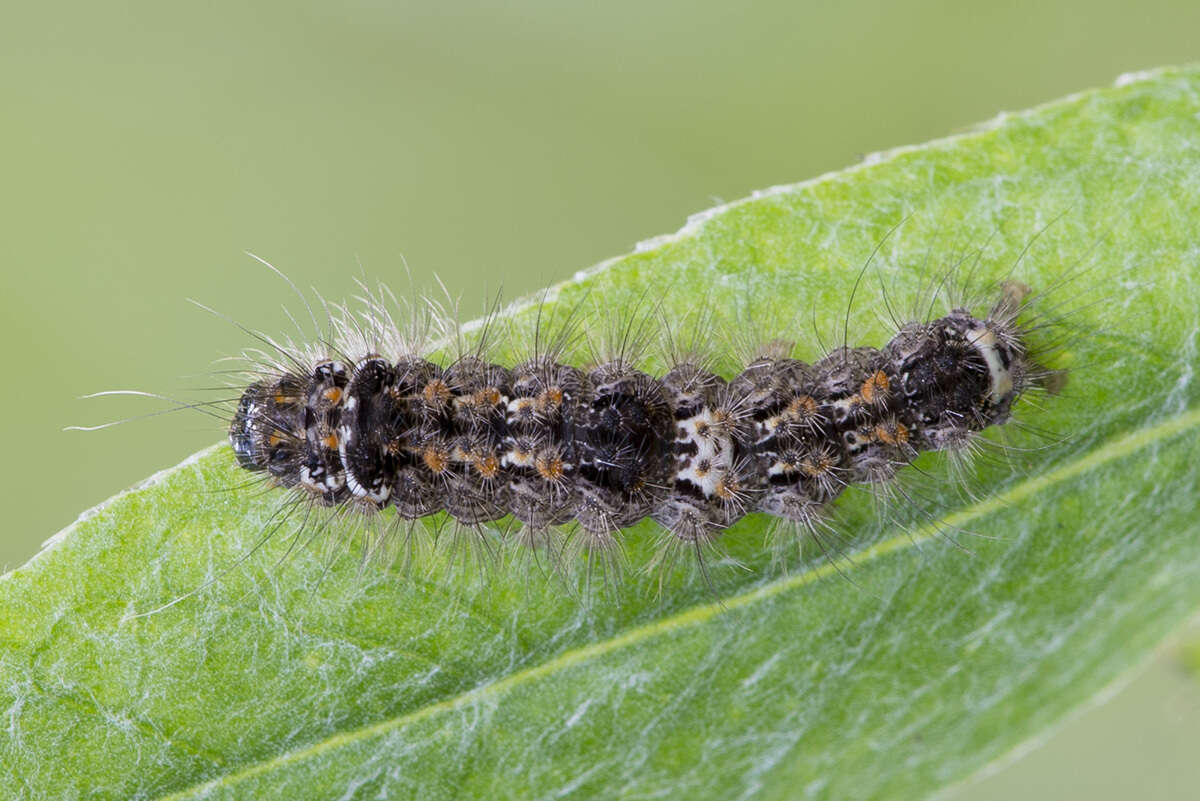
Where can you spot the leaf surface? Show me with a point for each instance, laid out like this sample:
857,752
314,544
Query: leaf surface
955,624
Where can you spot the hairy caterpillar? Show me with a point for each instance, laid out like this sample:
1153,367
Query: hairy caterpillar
378,421
372,421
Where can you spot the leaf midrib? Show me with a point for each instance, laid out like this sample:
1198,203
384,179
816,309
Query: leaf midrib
1111,450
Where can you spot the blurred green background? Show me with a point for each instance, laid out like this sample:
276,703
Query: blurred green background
501,147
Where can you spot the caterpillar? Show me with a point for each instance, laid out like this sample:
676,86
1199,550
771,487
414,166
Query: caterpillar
374,421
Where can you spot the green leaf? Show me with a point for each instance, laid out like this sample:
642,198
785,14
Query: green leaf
956,626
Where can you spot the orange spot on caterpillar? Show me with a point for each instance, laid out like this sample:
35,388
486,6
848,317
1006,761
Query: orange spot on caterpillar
549,467
875,388
891,433
437,392
550,399
727,489
817,464
436,459
486,465
801,408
